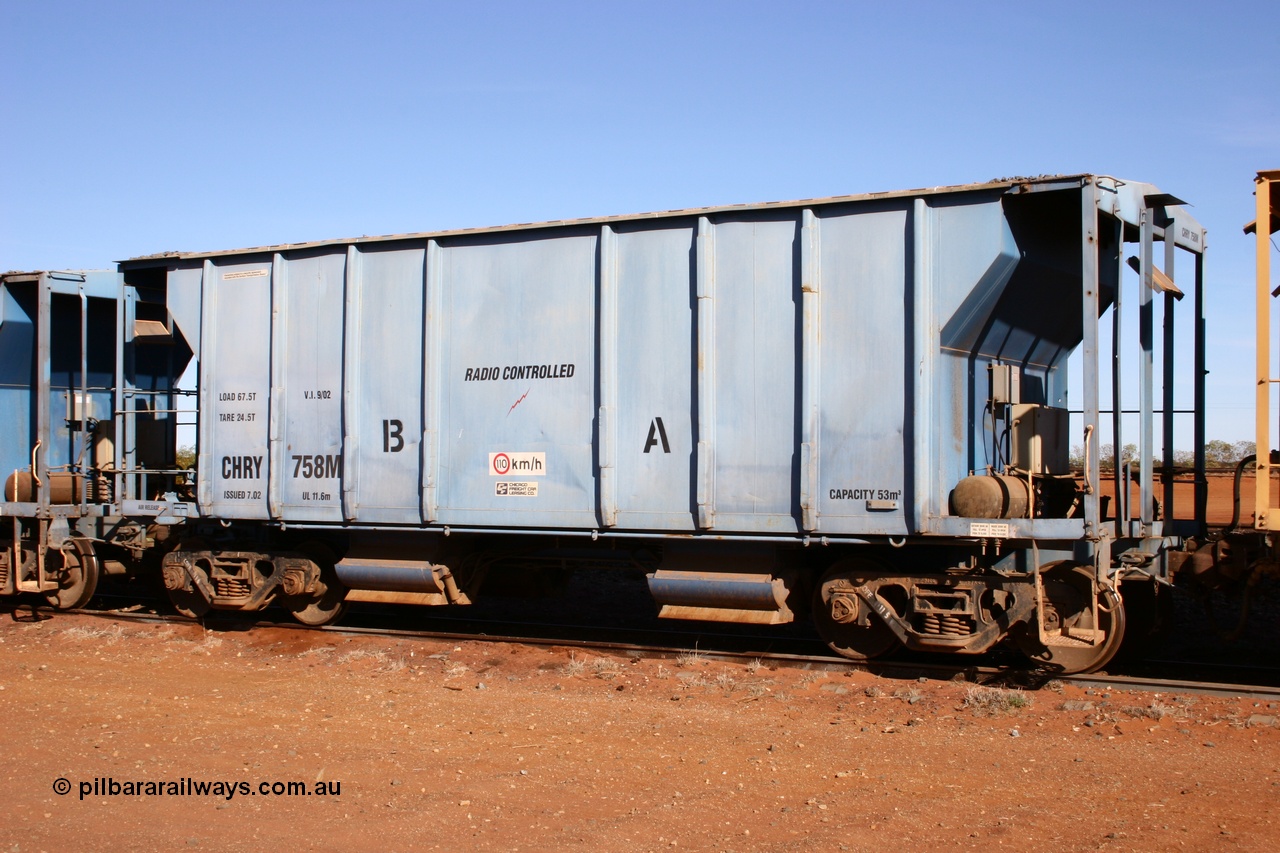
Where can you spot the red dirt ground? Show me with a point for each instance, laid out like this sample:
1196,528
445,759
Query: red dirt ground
1218,508
496,747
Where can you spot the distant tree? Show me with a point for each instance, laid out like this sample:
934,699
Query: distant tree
1217,454
1106,456
186,456
1221,454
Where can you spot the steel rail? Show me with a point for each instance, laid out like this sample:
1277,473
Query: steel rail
902,670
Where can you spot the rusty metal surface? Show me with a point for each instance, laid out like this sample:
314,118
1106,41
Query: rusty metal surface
381,596
721,596
63,488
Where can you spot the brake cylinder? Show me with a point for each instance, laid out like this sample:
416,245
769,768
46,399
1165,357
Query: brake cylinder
991,496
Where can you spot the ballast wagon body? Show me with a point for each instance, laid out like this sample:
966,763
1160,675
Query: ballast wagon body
860,400
811,368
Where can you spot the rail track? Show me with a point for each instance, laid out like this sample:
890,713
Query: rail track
793,651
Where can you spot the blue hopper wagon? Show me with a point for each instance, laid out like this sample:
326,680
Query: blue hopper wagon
853,408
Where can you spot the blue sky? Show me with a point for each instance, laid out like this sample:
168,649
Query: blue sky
144,127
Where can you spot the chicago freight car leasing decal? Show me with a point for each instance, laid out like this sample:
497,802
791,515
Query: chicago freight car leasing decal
507,489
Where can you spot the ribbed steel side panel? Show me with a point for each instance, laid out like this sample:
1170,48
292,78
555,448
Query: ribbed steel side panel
384,368
518,381
235,392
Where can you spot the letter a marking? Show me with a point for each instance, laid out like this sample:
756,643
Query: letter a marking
657,432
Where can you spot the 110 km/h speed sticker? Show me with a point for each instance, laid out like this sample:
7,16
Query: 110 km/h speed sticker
517,464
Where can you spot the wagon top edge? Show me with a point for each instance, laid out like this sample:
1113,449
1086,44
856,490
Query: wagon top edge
93,283
1123,199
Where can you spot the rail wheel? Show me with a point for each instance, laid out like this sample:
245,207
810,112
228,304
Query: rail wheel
1148,617
326,603
1073,640
843,619
189,601
184,595
76,570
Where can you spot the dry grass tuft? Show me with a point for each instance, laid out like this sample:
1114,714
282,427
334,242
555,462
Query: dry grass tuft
725,682
693,658
575,666
605,668
995,700
362,654
113,634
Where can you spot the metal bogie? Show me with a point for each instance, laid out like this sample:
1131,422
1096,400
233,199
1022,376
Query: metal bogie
933,612
225,578
248,580
848,626
310,588
1063,616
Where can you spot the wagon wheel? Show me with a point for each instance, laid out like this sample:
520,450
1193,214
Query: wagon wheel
837,611
187,598
184,595
189,602
1073,642
1148,616
328,604
76,570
